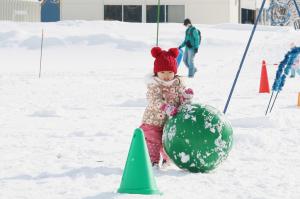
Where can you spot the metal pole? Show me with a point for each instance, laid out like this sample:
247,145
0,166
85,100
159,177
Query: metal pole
274,102
158,19
297,8
269,103
41,56
239,13
244,56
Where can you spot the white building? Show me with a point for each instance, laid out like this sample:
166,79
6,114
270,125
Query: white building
20,10
200,11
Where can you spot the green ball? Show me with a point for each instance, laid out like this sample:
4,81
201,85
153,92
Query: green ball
198,138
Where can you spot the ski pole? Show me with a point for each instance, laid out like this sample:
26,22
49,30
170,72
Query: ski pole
274,102
269,103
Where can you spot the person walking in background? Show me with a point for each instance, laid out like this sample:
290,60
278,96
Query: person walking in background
191,42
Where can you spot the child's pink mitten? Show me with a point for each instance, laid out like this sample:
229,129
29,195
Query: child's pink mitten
169,109
187,96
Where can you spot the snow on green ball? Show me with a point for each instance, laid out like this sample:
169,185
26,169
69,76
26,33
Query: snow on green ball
198,138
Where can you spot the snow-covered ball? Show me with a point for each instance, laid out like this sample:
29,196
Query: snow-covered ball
198,138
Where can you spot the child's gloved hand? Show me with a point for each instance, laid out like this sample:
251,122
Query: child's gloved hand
187,96
169,109
188,93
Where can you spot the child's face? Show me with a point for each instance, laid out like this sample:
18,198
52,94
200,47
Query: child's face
166,75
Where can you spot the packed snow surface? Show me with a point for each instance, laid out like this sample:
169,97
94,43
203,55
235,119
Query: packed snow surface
66,135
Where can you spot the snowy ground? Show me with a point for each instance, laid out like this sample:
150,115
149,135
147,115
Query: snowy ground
66,135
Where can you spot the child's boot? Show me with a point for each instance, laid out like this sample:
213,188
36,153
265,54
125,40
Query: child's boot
155,165
165,163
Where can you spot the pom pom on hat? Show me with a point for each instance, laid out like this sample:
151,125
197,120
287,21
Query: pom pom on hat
156,51
173,52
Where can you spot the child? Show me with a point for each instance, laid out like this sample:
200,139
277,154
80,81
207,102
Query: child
165,94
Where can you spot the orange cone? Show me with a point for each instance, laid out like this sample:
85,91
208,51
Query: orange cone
264,82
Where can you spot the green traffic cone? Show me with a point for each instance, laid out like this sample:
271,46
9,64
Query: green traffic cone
138,177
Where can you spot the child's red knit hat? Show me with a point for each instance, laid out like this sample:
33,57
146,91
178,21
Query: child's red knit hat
165,60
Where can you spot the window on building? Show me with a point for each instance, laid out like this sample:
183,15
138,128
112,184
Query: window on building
132,13
113,12
175,13
151,14
248,16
